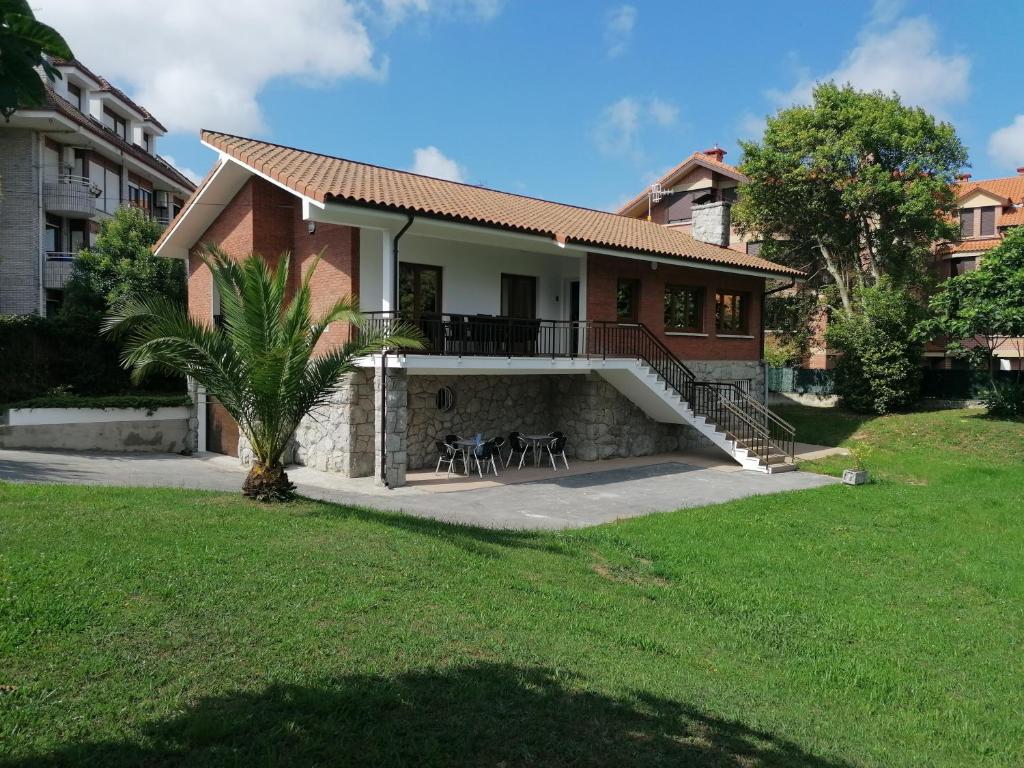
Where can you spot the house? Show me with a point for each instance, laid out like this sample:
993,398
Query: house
630,337
987,208
65,166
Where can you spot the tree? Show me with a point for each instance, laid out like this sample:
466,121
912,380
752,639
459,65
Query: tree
260,363
23,43
985,308
121,263
880,368
856,185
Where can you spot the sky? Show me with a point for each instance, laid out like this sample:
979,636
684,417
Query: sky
579,102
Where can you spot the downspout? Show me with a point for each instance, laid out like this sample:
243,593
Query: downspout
384,356
765,295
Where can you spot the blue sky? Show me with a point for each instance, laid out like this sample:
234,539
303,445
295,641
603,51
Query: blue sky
582,102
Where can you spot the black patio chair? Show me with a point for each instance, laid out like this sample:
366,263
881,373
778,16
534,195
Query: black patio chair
499,446
484,455
447,455
557,448
517,446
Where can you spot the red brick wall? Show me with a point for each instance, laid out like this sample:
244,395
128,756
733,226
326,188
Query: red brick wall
603,273
265,219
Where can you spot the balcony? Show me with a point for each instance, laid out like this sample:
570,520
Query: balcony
57,267
71,196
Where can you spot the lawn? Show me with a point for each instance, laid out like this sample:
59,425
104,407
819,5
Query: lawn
880,625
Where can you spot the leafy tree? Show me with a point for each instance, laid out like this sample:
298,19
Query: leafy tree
260,363
880,368
23,43
856,185
121,263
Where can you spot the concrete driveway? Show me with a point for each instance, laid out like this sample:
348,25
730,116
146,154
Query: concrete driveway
608,493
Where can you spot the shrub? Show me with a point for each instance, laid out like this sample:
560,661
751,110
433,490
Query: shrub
779,354
1005,400
878,370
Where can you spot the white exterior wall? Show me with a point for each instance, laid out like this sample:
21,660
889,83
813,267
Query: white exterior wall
471,277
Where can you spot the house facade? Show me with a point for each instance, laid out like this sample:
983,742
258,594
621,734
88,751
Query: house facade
987,209
630,337
65,167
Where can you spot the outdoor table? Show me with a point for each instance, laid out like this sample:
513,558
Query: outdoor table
536,441
468,446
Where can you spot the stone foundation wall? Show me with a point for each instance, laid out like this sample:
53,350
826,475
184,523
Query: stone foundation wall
339,436
493,405
751,371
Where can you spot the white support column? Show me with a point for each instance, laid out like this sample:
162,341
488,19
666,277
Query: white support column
387,271
582,336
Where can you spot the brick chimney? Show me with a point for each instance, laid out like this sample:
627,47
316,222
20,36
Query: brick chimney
1021,170
715,153
963,177
711,222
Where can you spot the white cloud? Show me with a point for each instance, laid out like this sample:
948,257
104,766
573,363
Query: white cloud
905,58
1006,145
751,126
618,29
431,161
202,63
188,173
618,131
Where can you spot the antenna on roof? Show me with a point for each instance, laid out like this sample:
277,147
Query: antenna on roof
653,196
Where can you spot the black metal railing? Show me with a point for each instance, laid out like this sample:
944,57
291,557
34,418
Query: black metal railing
725,405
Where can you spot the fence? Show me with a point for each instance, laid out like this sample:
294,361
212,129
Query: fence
940,384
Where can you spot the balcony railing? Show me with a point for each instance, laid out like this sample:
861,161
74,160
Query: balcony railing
724,404
73,196
57,266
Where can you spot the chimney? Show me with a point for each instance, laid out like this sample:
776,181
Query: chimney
1021,170
963,177
711,222
715,153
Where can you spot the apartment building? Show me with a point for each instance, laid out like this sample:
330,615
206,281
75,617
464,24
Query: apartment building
64,168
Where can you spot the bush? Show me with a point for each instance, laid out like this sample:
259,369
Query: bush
878,370
148,402
1005,400
779,354
65,354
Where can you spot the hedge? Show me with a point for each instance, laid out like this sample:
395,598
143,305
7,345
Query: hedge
146,401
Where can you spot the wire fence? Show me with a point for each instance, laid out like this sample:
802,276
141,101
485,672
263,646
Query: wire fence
939,384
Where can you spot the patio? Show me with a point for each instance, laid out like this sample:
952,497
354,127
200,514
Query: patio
591,493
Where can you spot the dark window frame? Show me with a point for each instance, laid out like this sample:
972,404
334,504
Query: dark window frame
698,293
967,217
743,298
415,313
988,211
75,92
120,127
633,316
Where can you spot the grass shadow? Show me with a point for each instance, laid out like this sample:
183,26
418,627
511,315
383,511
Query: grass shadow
486,714
823,426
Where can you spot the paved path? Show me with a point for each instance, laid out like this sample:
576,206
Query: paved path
573,501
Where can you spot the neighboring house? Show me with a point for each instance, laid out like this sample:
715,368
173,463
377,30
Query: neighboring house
66,166
987,208
702,179
629,337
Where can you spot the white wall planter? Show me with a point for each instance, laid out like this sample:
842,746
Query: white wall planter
856,476
36,416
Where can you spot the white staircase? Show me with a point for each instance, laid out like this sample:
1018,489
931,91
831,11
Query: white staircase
726,416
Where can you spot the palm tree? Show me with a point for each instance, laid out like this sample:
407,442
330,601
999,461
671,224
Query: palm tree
260,361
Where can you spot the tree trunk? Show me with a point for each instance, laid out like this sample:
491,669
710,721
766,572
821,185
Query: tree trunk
838,276
268,483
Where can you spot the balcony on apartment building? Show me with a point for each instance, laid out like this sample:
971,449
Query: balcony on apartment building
57,267
72,196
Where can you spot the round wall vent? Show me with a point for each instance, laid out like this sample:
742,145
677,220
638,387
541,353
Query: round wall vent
445,399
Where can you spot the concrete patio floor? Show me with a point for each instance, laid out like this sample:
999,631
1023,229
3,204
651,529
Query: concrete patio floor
590,494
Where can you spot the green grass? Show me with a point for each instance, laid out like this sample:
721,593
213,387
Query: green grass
881,625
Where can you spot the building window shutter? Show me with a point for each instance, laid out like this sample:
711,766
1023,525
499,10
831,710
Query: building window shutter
967,222
988,222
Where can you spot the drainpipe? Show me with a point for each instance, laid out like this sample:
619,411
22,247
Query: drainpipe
765,295
384,356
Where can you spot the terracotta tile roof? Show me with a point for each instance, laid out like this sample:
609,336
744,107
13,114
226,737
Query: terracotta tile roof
1011,218
1010,187
969,246
59,104
701,158
324,178
106,85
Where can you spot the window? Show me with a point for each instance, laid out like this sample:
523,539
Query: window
731,313
966,222
78,233
115,123
753,249
109,183
147,142
680,207
54,301
419,291
80,167
684,309
960,266
988,221
519,296
627,301
75,96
